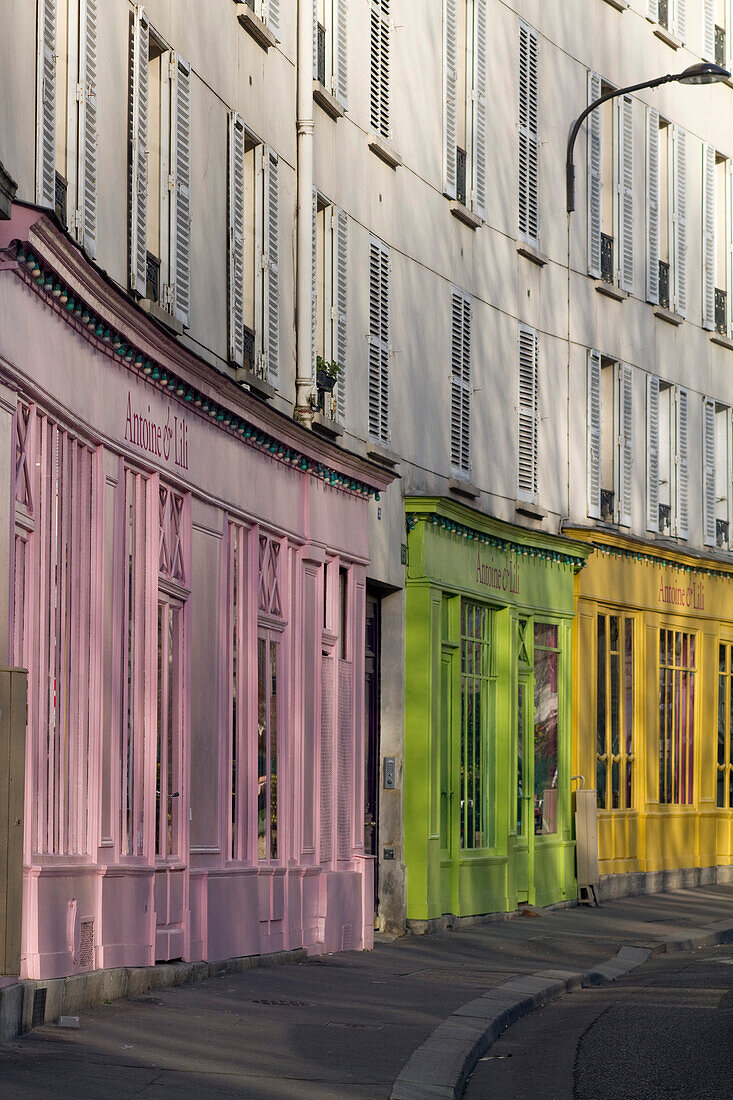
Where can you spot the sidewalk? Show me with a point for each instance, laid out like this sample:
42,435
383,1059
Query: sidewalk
347,1025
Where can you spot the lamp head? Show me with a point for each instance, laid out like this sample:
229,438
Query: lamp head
704,73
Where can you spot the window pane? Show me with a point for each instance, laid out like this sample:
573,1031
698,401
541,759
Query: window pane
545,737
262,796
601,713
629,704
545,634
474,723
273,751
520,748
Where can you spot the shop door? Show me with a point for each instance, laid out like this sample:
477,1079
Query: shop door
524,849
371,736
448,824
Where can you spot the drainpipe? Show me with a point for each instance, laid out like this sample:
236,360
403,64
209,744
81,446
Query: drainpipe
304,381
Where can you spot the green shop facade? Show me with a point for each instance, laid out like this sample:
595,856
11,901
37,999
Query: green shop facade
487,808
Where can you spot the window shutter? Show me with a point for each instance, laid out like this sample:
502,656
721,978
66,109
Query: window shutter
529,133
652,453
527,414
271,335
652,205
46,105
594,434
378,340
708,237
652,10
729,239
626,191
139,154
680,21
479,108
380,64
728,34
625,444
180,251
315,39
682,494
594,179
450,95
708,30
708,458
272,17
86,221
341,52
460,426
314,283
236,238
679,139
341,268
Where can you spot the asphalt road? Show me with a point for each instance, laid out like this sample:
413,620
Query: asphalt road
666,1030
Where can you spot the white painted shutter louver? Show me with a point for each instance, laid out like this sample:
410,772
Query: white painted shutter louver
729,239
652,10
680,23
625,444
460,407
139,154
378,381
527,414
682,476
680,220
46,110
272,275
479,108
341,268
594,179
341,52
236,238
708,237
180,252
708,458
88,136
652,453
272,17
528,133
450,95
652,205
315,39
626,192
314,283
708,30
380,65
593,414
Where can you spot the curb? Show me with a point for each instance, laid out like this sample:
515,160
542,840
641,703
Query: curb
442,1065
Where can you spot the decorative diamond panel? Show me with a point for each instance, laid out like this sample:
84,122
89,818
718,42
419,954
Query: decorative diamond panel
22,492
171,557
270,602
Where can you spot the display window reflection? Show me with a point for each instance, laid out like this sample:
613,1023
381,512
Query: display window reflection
546,713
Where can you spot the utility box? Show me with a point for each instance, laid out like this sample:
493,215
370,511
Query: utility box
586,839
13,718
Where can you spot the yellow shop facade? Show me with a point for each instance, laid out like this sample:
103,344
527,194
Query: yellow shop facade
652,712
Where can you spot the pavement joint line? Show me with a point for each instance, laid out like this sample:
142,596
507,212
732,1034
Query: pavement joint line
466,1034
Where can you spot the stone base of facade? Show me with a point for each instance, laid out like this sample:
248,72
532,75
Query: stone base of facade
449,921
660,882
69,996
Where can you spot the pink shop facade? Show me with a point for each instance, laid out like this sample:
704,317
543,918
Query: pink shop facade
186,587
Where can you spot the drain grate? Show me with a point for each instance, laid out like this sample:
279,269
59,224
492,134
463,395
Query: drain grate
39,1007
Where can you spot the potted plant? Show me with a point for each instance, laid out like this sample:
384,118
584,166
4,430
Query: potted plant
326,374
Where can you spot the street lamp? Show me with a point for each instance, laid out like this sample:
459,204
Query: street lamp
703,73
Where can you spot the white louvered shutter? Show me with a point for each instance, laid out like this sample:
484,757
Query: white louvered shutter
708,30
652,205
460,404
527,415
681,465
180,247
341,270
728,16
652,453
450,95
625,444
314,283
679,140
379,67
680,19
479,128
708,458
46,105
271,274
594,179
729,240
272,16
378,381
139,154
315,39
341,52
593,415
529,133
625,109
86,219
652,10
236,238
708,236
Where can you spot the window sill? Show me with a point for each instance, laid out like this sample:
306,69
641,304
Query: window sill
162,316
668,315
323,425
463,488
619,5
384,150
529,509
458,210
667,37
254,26
257,385
532,254
721,340
382,455
326,101
608,290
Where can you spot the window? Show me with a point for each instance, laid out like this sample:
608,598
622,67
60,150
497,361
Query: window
670,14
676,717
169,740
254,239
609,439
475,672
546,719
379,340
464,98
527,414
269,12
380,61
330,53
666,181
460,400
330,303
667,458
236,721
716,474
268,674
66,126
717,240
160,176
614,711
611,187
529,141
717,25
725,727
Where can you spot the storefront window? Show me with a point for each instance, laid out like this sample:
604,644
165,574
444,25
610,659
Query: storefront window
614,711
676,716
475,621
267,746
170,728
546,702
725,726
